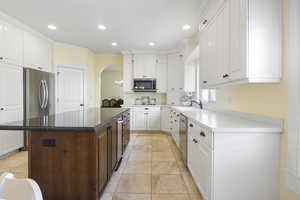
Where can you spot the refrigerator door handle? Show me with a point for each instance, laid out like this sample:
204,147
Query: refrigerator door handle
47,94
41,90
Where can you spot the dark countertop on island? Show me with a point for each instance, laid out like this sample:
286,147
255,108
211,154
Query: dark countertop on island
89,120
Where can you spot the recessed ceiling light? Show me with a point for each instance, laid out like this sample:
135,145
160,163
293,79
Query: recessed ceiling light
102,27
186,27
114,44
151,44
52,27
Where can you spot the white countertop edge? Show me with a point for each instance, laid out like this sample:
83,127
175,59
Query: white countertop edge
248,116
278,123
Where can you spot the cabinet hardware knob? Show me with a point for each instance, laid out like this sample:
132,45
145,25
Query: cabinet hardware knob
1,108
1,58
225,75
146,108
204,82
205,21
202,134
191,125
195,141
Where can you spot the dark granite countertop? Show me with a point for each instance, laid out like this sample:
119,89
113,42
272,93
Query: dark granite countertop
82,120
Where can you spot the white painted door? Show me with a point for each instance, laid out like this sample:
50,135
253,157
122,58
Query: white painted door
153,120
11,106
238,39
140,120
70,89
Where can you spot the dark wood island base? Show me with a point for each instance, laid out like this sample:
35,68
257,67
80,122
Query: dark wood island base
76,163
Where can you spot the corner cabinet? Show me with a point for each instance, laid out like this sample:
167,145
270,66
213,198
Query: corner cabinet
242,44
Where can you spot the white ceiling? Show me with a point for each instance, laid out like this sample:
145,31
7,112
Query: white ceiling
130,23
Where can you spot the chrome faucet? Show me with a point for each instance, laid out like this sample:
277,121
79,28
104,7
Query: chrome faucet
199,103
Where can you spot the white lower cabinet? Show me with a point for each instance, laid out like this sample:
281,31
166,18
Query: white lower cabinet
11,106
165,121
174,125
234,165
146,118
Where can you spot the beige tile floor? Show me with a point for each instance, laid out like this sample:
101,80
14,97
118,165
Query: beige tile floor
151,170
16,164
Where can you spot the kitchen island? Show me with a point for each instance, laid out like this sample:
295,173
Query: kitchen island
72,155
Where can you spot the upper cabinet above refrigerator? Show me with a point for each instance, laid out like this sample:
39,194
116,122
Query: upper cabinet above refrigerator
37,52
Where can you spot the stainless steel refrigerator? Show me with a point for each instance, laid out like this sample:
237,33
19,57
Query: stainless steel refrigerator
39,93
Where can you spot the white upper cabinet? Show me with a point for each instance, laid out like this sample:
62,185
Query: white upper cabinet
37,52
175,72
127,73
144,66
190,71
11,40
162,74
242,44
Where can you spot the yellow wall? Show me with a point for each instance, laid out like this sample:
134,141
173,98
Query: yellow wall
265,99
109,89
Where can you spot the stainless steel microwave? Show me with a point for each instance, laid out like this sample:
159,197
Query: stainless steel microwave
144,85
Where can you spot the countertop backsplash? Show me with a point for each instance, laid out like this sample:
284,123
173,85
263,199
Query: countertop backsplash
129,98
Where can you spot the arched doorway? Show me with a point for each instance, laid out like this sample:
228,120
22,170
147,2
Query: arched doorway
111,86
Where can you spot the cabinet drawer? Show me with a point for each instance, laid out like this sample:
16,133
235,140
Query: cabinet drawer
148,109
201,134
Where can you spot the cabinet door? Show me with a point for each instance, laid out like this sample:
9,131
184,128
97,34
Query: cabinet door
11,104
140,119
238,39
223,44
127,73
37,52
161,77
144,66
114,145
102,159
175,72
212,52
190,75
153,120
11,44
165,120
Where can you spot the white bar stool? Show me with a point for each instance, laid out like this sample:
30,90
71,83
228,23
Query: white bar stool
18,189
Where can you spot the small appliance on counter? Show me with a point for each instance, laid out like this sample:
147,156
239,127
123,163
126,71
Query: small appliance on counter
153,101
